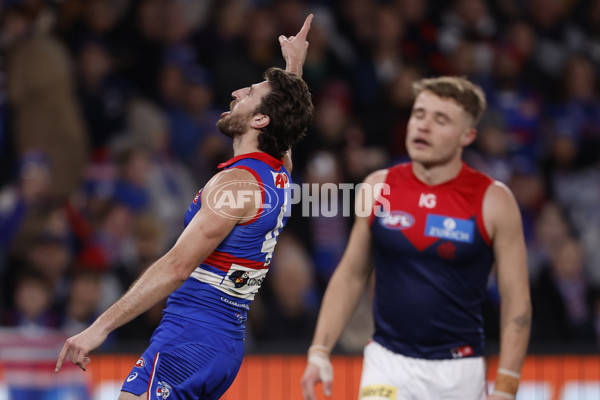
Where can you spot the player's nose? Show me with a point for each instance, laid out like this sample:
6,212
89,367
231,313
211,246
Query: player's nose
238,94
424,124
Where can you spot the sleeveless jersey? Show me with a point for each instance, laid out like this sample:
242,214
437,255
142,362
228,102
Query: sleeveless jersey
432,259
219,291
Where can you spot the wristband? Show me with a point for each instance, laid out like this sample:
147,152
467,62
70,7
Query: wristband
319,348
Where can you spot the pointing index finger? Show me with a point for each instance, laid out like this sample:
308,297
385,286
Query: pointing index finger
305,28
61,358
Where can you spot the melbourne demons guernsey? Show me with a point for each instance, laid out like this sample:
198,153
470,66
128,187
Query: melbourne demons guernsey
219,291
432,259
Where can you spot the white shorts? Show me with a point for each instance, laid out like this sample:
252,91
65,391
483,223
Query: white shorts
390,376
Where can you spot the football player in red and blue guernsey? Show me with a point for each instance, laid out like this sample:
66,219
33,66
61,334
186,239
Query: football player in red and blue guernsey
433,228
220,260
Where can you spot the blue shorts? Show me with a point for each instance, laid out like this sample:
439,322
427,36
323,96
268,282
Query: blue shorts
185,361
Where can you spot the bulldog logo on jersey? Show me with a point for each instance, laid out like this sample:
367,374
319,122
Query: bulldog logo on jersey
239,278
163,390
455,229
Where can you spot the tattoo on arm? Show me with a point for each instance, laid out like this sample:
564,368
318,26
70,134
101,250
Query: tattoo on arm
522,321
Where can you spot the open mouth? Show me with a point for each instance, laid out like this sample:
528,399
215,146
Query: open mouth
421,142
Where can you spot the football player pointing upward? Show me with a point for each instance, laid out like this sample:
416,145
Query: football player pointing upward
218,263
432,250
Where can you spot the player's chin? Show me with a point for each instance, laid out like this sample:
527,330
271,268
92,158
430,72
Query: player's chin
420,155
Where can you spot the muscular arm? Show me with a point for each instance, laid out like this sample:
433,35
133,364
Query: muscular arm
206,230
503,220
345,287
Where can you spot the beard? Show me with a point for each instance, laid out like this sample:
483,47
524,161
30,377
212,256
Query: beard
233,125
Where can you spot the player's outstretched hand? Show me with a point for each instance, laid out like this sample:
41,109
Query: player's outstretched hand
77,348
318,369
294,48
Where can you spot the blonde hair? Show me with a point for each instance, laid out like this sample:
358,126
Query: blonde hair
468,95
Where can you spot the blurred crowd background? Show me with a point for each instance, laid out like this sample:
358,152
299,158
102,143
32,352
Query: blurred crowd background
108,112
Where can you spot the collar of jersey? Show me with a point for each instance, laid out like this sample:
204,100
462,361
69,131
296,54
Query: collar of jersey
442,184
264,157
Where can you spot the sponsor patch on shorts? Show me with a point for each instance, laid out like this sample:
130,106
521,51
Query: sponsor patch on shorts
378,392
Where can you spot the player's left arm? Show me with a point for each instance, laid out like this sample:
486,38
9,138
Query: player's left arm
502,219
211,224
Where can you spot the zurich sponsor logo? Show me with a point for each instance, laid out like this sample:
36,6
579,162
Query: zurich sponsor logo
449,224
444,227
398,220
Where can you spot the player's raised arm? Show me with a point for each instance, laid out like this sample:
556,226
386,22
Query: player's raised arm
502,216
203,234
343,291
294,48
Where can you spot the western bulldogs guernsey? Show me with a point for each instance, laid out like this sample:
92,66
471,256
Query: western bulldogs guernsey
432,259
218,293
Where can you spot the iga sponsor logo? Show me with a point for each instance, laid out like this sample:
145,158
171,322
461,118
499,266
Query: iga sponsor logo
397,220
163,390
427,200
140,363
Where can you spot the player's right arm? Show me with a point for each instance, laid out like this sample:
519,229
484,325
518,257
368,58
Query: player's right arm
211,224
343,291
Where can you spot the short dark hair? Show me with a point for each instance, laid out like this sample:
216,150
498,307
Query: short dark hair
290,110
468,95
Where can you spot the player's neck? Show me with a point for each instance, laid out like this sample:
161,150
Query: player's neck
438,173
246,143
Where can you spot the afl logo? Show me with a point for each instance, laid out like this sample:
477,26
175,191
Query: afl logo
398,220
141,363
239,278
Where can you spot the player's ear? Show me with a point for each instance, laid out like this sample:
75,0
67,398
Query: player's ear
468,137
259,121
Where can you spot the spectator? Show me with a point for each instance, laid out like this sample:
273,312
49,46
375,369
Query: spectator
102,95
289,305
83,304
563,299
32,311
40,91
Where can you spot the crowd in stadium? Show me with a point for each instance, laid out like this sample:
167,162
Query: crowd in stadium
108,112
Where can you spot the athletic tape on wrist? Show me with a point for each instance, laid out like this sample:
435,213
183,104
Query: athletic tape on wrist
503,394
506,384
324,365
508,372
